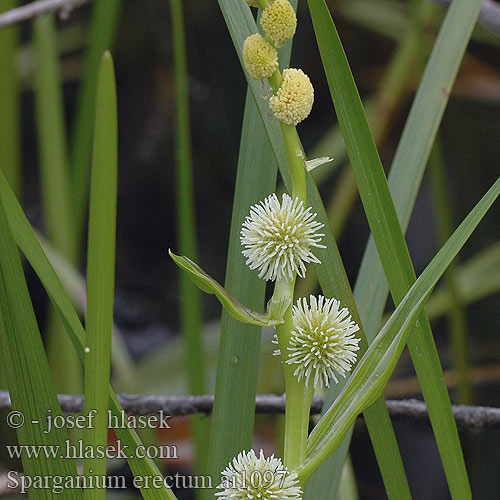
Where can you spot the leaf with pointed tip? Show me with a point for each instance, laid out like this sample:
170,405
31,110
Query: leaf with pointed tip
202,280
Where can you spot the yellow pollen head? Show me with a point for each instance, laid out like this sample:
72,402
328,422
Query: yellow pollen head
279,21
293,101
252,3
260,57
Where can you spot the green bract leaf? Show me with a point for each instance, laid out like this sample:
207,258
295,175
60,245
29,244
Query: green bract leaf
316,162
273,317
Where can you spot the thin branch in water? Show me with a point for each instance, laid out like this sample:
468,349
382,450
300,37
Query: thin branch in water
39,8
410,410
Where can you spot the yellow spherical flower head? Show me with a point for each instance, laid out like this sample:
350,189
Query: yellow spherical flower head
293,101
279,21
260,57
252,3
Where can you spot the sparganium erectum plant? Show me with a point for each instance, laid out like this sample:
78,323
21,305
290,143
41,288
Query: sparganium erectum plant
319,339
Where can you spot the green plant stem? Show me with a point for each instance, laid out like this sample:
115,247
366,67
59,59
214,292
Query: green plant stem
296,157
263,4
298,398
294,152
457,320
10,147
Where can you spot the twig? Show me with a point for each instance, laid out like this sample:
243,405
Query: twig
489,15
39,8
411,410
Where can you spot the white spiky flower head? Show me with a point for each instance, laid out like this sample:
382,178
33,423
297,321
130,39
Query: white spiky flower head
293,101
279,21
278,237
248,477
259,56
322,343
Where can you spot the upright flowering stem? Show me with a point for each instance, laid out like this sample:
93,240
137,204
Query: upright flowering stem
298,398
296,160
292,102
293,147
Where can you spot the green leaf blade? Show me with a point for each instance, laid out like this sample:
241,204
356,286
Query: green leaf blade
101,271
389,239
10,131
30,246
28,374
103,23
374,369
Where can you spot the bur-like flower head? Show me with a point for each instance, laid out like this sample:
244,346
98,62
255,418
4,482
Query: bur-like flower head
293,101
322,343
252,3
278,237
249,477
260,57
279,21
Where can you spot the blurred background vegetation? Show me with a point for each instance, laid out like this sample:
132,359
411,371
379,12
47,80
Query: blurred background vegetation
387,68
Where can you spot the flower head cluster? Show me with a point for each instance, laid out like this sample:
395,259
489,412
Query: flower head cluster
279,21
249,477
322,342
260,57
252,3
293,101
278,237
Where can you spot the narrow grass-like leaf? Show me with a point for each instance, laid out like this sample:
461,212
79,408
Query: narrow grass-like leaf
10,138
51,137
385,227
414,148
30,246
28,375
103,24
477,278
379,112
457,321
334,283
190,301
364,386
273,317
101,271
55,187
333,277
377,364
